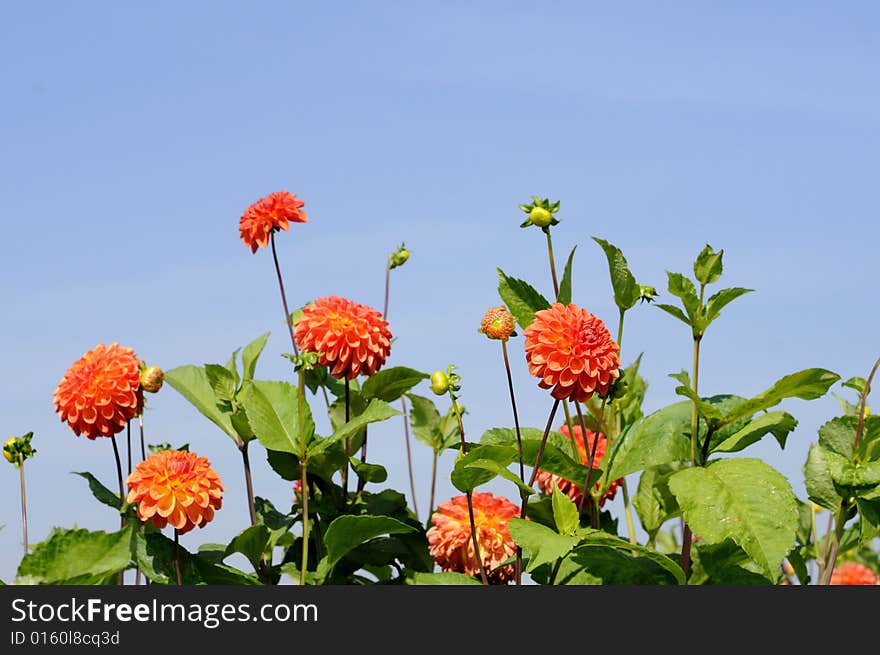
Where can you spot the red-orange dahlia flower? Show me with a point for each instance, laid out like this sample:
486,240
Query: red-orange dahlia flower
853,573
351,339
101,391
572,352
546,481
273,212
176,488
452,546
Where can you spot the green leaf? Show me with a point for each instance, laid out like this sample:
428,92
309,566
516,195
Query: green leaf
565,513
77,557
744,500
496,469
852,476
467,479
672,310
708,411
721,299
445,578
838,435
369,472
222,382
817,480
272,409
593,564
682,288
555,458
808,384
424,419
653,501
626,289
232,366
779,424
99,491
192,383
855,383
599,538
155,553
389,384
708,266
540,544
251,543
659,438
377,410
347,532
251,354
564,295
725,564
521,298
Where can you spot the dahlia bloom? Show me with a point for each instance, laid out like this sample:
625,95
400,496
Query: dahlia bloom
452,547
853,573
101,391
270,213
497,323
572,352
176,488
351,339
546,481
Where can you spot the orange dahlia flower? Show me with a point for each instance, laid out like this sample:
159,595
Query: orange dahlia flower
546,481
572,352
452,547
273,212
350,339
853,573
176,488
101,391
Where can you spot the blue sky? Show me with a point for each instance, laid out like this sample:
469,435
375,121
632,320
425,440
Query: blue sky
134,137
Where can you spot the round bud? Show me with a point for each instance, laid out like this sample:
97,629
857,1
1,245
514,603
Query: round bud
540,217
439,382
497,323
152,378
7,450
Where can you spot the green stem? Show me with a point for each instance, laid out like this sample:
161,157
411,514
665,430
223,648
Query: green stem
552,262
177,557
288,319
575,453
540,454
862,402
128,444
143,445
839,521
121,578
303,467
23,505
630,524
522,474
249,485
433,485
587,489
347,448
387,285
470,499
555,571
412,481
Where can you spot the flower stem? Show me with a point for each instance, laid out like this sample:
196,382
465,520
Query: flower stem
522,475
23,506
287,318
387,285
128,443
347,447
862,402
839,521
470,499
303,467
412,482
552,263
587,490
121,579
687,535
177,558
627,508
248,482
543,442
433,484
141,425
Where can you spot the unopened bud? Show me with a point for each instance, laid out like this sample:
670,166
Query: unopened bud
439,382
399,256
498,323
152,378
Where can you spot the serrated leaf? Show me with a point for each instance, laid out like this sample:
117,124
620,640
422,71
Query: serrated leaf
744,500
683,289
808,384
708,411
347,532
564,295
272,408
521,298
77,557
626,289
852,476
565,513
659,438
779,424
99,491
155,553
838,435
599,538
817,480
721,299
376,411
251,354
222,381
389,384
540,544
653,501
672,310
708,265
192,383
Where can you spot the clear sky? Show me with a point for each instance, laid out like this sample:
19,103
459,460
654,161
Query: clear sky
133,137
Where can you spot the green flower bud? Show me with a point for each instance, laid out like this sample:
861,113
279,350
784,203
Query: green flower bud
439,382
540,217
152,378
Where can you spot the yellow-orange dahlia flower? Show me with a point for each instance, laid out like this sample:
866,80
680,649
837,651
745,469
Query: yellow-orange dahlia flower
176,488
572,352
101,391
452,546
497,323
351,339
853,573
546,480
273,212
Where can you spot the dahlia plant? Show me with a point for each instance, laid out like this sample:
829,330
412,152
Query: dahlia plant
696,509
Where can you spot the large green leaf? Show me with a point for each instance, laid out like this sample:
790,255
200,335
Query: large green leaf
540,544
555,458
272,409
521,298
155,554
626,290
377,410
464,478
564,295
391,383
659,438
223,382
740,499
251,543
852,476
602,565
808,384
444,578
99,491
192,383
591,537
251,354
424,419
779,424
653,501
817,480
77,557
565,513
347,532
